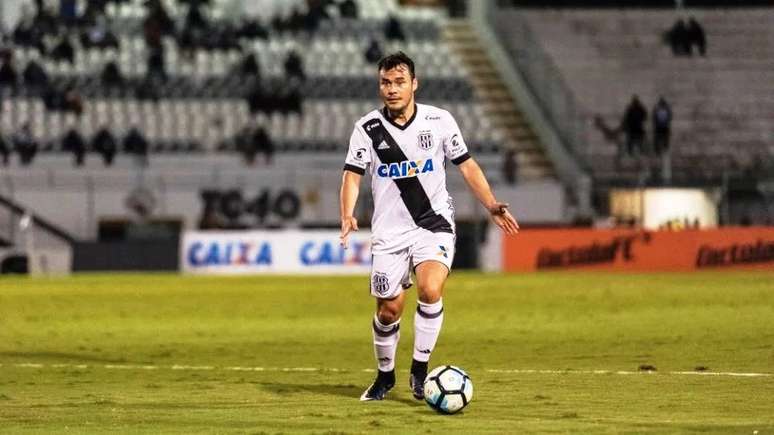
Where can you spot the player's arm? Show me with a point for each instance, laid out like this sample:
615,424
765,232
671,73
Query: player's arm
477,182
350,187
358,158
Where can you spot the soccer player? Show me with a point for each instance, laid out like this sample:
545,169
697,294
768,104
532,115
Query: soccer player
404,146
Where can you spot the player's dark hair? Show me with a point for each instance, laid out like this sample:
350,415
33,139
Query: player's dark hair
393,60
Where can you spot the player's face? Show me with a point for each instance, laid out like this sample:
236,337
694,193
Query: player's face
396,87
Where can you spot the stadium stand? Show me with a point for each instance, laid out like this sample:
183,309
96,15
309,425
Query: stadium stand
722,103
202,103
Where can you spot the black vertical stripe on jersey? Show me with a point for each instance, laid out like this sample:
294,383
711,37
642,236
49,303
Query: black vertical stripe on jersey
411,191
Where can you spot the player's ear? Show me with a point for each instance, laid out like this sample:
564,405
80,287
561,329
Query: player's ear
414,84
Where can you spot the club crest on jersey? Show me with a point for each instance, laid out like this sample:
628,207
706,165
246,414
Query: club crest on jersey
425,140
405,169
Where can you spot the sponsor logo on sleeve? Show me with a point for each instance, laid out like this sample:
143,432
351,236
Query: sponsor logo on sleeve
455,142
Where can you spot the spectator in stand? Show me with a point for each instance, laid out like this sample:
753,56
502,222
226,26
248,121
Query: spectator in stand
45,20
105,144
156,24
662,121
252,29
264,143
5,150
73,102
94,8
245,144
195,18
135,143
53,98
111,75
633,126
315,14
257,98
64,50
73,142
67,12
374,51
678,39
393,30
8,74
348,9
293,23
695,36
510,167
249,67
99,35
24,33
156,64
25,144
294,66
34,75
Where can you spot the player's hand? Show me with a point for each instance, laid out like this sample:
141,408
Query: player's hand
503,218
348,224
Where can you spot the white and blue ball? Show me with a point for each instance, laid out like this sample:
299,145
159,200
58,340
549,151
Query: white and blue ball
448,389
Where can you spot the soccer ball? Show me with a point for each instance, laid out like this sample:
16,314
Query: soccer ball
448,389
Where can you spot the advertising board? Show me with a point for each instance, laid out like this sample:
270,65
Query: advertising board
288,251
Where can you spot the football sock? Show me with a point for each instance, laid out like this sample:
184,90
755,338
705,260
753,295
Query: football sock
419,367
385,343
427,325
386,378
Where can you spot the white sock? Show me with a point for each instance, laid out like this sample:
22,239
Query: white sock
427,325
386,343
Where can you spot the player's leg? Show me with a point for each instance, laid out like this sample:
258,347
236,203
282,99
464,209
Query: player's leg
386,331
433,259
387,277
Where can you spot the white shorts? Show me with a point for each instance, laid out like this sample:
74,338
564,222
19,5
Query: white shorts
391,272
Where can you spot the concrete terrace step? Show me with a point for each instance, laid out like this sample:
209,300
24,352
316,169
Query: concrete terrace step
498,105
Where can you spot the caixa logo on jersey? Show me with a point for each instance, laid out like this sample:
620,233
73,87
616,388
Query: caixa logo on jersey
228,253
405,169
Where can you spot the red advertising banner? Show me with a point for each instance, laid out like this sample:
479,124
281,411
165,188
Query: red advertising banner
639,250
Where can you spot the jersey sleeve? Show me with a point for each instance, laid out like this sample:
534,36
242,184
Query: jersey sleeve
359,154
453,144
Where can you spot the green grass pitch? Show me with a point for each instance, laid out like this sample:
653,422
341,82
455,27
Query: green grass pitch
548,353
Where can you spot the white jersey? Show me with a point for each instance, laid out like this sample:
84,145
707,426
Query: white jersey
408,173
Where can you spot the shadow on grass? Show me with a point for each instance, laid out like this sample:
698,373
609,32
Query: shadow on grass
343,390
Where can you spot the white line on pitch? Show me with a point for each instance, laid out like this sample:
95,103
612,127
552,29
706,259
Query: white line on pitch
338,370
625,372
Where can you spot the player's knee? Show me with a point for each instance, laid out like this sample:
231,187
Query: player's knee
387,315
430,294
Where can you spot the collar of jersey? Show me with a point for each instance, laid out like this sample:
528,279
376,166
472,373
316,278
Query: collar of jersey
386,115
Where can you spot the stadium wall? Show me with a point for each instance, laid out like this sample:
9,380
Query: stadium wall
78,200
125,256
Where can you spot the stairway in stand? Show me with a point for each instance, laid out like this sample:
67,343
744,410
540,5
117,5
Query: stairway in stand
499,107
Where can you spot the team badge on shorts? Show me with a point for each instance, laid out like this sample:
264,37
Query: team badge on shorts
425,140
443,251
380,283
